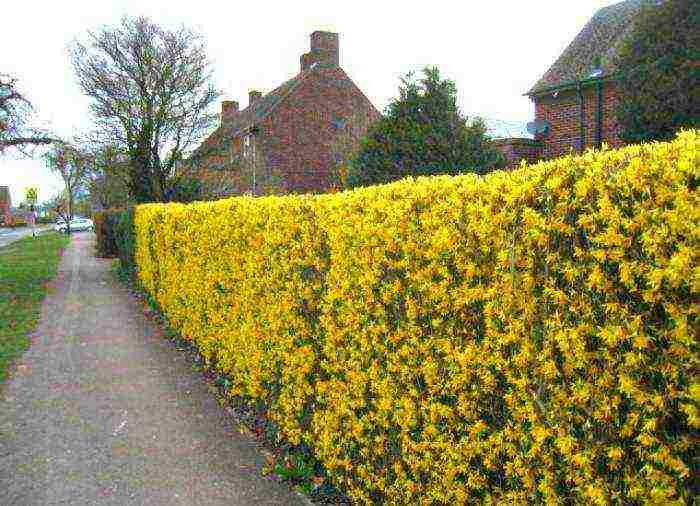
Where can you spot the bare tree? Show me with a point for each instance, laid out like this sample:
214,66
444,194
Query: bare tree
16,129
58,206
107,181
73,165
151,91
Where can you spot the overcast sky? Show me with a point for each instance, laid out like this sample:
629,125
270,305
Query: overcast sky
494,50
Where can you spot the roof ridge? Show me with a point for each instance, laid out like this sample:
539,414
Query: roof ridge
259,109
294,83
297,79
600,37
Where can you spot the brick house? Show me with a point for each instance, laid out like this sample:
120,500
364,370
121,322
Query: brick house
575,100
515,149
286,136
5,205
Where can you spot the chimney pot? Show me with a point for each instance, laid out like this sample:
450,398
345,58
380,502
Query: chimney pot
253,96
325,47
306,60
229,109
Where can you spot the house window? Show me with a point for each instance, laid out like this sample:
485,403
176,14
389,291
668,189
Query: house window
338,123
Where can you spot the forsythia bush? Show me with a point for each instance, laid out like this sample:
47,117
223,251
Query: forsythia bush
529,336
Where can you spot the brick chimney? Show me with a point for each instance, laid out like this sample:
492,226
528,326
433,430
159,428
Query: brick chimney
253,96
325,49
305,60
229,109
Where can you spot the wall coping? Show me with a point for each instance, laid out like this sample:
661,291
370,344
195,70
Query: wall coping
517,140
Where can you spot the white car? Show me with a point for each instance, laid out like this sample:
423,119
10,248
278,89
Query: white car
76,225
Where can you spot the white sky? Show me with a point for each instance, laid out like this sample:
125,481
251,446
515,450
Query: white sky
494,50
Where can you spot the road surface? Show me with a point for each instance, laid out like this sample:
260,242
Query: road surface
8,235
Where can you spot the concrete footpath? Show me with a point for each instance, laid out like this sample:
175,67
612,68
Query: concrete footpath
103,410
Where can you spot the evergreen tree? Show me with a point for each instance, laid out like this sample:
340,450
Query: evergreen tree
423,133
659,78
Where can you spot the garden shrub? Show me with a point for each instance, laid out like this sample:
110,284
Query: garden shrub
104,222
115,236
522,337
125,241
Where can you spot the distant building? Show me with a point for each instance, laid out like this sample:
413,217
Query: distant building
516,149
575,100
5,205
287,134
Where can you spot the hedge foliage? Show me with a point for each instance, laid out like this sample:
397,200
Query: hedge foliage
104,222
115,237
527,336
125,241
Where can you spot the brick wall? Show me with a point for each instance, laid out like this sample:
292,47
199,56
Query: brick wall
515,149
296,137
563,114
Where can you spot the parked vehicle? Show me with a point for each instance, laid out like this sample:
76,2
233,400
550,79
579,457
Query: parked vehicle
76,225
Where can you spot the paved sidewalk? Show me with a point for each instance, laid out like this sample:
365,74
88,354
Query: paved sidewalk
102,410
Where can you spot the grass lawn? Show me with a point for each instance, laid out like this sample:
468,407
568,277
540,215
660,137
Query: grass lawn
25,268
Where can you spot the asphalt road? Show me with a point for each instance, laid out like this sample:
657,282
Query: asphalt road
8,235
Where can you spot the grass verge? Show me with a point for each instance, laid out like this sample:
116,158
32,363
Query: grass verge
25,268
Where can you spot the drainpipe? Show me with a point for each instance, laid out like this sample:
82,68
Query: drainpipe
581,126
252,156
254,131
599,116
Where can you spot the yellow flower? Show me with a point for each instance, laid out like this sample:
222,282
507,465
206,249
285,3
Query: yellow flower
448,340
615,454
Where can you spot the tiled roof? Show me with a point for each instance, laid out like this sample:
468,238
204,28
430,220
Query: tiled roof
600,39
253,113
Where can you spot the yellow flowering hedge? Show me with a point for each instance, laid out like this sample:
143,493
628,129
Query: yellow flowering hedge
528,336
